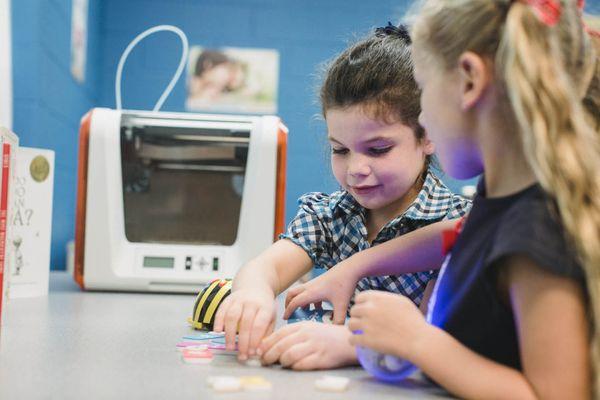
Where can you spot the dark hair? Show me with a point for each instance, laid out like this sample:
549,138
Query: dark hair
377,73
209,59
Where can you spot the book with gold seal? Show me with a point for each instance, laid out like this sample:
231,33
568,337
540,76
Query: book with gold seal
31,223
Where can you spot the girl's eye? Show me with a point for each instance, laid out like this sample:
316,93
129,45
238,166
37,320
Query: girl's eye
339,151
379,150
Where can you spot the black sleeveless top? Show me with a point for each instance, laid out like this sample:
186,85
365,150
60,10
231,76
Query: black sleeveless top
466,301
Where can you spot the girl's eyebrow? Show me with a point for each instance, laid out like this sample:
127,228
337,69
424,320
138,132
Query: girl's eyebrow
379,139
372,140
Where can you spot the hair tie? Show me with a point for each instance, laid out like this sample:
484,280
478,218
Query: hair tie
391,30
547,11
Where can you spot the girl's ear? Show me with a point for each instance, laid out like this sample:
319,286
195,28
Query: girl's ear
474,78
428,146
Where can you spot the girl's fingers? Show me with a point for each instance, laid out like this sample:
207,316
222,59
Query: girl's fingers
221,312
246,325
293,292
355,324
300,300
271,327
340,309
311,361
358,310
364,296
274,353
295,353
262,322
231,325
275,337
357,340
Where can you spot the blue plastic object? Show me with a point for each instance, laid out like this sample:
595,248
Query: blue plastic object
384,367
316,315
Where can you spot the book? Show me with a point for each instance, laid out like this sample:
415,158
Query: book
8,144
31,223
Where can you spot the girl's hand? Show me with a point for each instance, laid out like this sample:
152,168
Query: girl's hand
390,323
251,312
309,345
336,286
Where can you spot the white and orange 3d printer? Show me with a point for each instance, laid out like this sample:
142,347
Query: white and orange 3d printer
167,202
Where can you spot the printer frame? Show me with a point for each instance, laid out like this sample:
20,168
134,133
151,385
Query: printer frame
106,260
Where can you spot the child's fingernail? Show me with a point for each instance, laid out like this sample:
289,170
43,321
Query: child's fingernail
243,357
251,352
259,351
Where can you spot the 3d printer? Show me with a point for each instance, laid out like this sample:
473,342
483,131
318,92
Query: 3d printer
168,202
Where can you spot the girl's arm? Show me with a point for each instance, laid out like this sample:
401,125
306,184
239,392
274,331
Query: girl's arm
275,269
250,309
416,251
552,330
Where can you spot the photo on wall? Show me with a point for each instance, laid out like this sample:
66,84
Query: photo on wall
232,80
79,22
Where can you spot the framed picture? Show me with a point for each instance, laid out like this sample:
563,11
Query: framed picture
232,80
79,22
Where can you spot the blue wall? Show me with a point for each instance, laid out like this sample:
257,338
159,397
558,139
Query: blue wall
305,33
48,102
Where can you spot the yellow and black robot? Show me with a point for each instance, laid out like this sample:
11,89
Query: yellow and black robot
207,302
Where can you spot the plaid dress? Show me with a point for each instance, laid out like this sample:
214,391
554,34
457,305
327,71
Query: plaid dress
331,228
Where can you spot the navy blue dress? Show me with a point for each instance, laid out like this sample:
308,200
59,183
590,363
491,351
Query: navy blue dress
467,303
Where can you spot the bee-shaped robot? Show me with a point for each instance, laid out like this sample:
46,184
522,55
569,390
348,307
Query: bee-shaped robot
207,302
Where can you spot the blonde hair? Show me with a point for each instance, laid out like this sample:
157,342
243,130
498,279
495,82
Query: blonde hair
551,78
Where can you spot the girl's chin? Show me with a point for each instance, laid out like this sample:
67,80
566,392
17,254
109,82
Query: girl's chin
370,204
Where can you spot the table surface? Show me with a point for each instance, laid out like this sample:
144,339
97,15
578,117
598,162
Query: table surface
103,345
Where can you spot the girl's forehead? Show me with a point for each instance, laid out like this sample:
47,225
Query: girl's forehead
366,115
355,119
355,127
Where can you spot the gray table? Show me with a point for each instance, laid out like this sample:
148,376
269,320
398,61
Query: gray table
94,345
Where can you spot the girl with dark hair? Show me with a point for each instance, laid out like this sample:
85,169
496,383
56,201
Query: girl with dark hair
510,89
381,158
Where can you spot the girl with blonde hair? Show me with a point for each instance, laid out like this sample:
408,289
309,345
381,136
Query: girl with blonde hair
510,89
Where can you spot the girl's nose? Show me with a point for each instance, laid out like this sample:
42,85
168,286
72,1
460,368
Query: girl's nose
359,166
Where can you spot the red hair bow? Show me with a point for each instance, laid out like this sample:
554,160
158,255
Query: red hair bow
548,11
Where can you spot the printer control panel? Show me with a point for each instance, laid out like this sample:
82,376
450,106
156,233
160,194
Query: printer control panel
202,263
185,263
